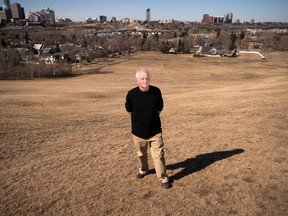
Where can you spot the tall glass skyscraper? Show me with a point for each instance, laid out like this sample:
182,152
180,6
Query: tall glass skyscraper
6,4
148,15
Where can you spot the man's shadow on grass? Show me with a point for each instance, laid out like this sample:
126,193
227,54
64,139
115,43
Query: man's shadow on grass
200,162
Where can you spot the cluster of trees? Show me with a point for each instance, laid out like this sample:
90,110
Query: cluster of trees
73,44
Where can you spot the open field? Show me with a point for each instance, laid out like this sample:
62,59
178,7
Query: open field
66,147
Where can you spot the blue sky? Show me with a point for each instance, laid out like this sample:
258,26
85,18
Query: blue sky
183,10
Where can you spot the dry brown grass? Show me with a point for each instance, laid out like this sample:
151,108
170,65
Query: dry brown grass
66,147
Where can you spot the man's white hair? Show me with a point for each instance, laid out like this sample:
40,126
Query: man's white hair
142,70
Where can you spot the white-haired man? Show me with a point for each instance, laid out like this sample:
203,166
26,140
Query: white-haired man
145,103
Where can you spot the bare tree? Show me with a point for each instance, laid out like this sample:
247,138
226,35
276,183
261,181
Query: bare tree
267,38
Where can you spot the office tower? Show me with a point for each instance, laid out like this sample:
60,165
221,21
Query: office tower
148,15
103,18
205,18
230,17
49,14
5,15
6,4
17,11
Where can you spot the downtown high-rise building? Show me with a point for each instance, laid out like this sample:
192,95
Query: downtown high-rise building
226,18
148,15
6,4
11,13
17,11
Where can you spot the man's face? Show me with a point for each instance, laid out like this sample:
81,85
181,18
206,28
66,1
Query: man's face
143,81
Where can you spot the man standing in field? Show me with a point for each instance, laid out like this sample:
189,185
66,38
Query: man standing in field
144,103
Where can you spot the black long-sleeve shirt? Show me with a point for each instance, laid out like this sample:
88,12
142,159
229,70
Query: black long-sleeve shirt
145,108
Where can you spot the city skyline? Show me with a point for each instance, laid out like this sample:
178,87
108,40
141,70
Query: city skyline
185,10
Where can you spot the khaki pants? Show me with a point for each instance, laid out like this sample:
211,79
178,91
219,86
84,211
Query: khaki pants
156,145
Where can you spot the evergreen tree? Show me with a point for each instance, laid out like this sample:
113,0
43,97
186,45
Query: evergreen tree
3,43
143,40
26,37
233,38
242,35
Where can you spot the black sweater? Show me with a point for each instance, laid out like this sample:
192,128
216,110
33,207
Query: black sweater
144,108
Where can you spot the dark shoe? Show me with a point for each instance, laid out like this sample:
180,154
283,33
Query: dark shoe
166,185
140,176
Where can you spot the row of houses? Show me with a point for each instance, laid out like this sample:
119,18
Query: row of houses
46,55
247,45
